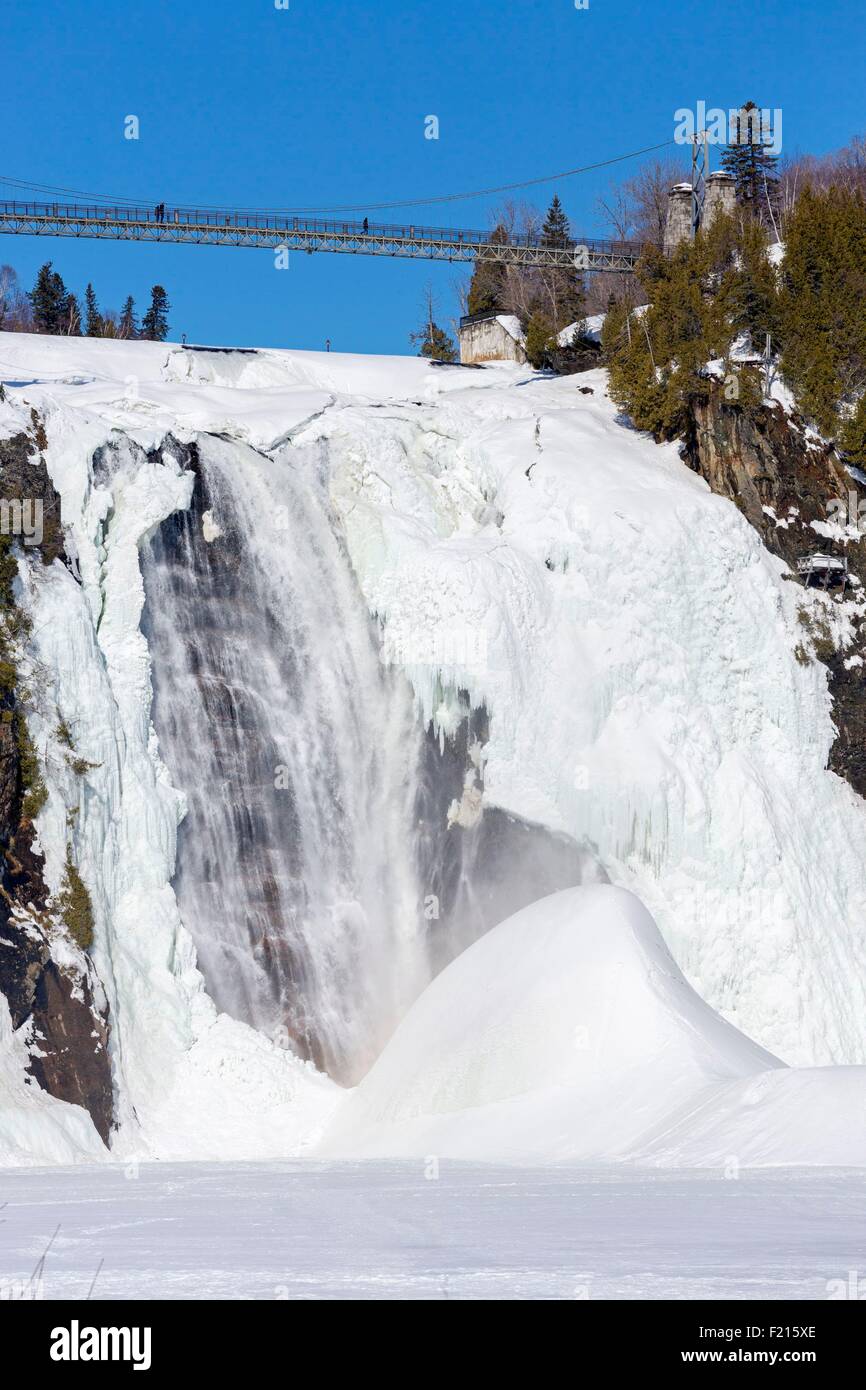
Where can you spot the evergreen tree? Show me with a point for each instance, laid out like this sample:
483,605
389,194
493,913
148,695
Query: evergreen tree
560,296
128,326
555,231
854,434
748,158
821,305
487,287
540,344
154,325
434,342
92,320
753,300
51,301
658,355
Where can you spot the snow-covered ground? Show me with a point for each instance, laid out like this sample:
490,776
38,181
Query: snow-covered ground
402,1231
633,642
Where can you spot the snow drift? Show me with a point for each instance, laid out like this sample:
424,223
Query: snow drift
568,1032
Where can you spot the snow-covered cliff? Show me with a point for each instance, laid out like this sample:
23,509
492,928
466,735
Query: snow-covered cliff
517,551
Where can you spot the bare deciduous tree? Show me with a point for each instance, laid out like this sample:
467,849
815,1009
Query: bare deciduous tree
617,208
845,168
636,210
15,312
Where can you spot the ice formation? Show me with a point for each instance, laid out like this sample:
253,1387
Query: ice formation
630,639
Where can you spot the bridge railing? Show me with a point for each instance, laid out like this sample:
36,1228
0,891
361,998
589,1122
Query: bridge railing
278,223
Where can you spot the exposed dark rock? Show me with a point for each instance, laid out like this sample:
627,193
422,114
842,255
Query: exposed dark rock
582,356
766,460
481,863
69,1044
763,460
60,1012
23,477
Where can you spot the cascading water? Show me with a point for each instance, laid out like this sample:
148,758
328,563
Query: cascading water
298,754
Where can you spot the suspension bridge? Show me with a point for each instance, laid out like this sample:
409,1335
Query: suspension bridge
237,227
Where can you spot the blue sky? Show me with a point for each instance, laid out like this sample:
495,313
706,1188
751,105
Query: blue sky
324,103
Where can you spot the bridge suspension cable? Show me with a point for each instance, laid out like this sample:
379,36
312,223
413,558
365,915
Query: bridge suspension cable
428,201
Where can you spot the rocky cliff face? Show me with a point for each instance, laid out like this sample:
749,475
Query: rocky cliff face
54,996
479,862
790,488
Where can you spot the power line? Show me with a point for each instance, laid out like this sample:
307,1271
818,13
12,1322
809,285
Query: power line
346,207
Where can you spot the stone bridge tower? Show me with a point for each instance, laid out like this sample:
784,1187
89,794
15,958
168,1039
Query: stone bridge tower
720,197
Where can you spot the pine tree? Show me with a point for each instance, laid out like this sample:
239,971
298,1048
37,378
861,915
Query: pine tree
753,167
128,326
432,340
754,290
540,344
658,356
92,319
154,325
487,287
723,282
555,231
51,301
822,323
560,298
854,434
434,343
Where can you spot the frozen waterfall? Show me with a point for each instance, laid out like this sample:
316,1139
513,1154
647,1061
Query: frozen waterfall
298,754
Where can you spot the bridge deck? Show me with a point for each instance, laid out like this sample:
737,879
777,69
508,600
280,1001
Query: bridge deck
228,227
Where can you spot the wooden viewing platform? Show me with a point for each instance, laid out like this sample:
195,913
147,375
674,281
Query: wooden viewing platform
824,571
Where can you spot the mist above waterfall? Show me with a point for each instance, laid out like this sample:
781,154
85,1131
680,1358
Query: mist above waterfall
298,755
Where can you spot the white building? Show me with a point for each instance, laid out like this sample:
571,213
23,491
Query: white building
491,338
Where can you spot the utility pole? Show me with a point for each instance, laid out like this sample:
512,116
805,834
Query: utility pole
768,360
430,317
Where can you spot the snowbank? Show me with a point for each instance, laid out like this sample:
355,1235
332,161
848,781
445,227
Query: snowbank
589,328
569,1033
794,1117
